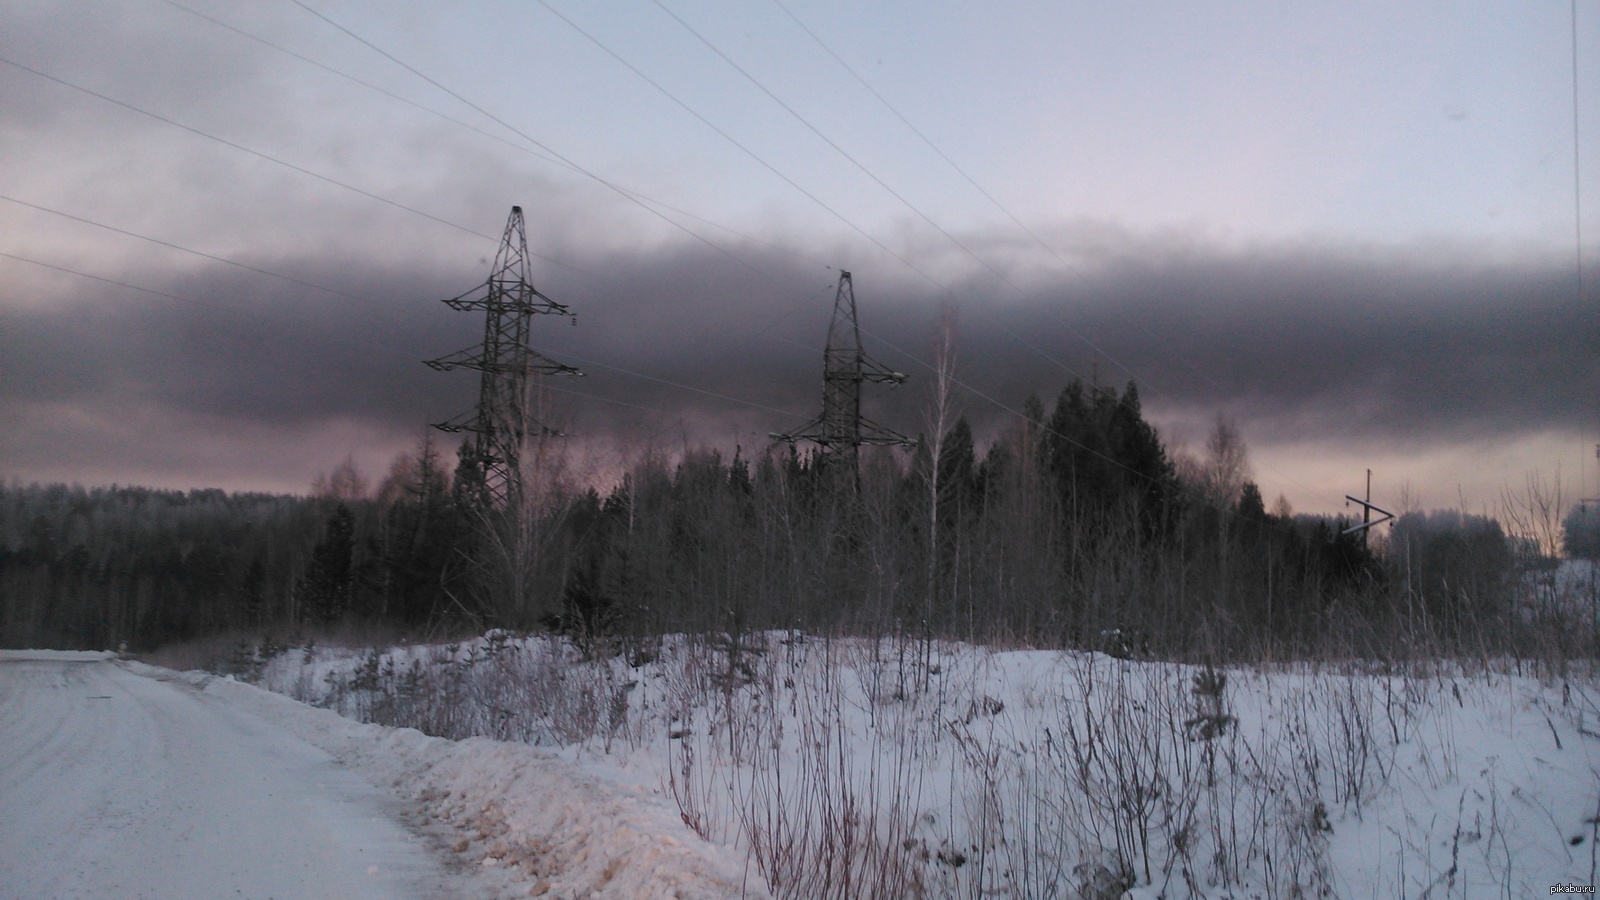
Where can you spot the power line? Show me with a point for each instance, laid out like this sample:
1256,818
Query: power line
113,281
349,187
829,141
692,111
289,278
366,84
914,129
535,152
513,129
256,153
734,141
327,179
332,181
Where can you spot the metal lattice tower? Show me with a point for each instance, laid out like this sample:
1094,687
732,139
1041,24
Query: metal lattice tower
503,419
840,430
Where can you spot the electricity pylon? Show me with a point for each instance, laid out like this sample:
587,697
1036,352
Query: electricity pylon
502,422
840,430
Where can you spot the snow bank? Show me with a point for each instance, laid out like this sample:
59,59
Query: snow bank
550,827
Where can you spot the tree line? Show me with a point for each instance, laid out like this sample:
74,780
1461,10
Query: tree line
1074,526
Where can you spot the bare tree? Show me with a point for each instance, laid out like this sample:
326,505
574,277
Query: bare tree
1281,508
1533,515
1226,466
345,485
938,418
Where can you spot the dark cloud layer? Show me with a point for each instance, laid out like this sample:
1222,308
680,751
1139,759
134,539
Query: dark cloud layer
1300,345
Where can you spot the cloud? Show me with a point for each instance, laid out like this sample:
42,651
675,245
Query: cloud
1384,344
1303,345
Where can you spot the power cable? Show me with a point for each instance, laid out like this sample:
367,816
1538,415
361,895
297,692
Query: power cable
199,253
734,141
713,126
366,84
915,130
321,177
827,140
260,155
525,136
515,145
113,281
513,129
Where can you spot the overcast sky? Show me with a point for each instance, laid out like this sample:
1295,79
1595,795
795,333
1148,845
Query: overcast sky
226,226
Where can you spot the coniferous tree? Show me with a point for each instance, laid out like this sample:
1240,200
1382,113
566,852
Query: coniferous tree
328,585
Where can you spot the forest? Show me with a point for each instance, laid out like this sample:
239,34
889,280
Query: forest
1074,527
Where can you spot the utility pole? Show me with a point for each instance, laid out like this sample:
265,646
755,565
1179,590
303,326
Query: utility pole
502,422
1367,509
840,430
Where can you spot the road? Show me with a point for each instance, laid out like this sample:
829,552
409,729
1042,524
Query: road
114,784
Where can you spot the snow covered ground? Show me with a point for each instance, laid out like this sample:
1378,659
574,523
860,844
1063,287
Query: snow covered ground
123,780
842,768
859,768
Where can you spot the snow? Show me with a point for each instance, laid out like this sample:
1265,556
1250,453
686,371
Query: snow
953,770
825,767
121,779
113,785
515,807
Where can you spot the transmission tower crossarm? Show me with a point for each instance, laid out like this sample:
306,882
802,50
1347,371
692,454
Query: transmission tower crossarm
877,372
880,436
463,422
535,363
810,431
544,365
469,302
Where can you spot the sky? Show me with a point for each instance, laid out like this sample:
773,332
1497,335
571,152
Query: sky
1354,229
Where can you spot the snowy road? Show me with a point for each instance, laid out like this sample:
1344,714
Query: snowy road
114,784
